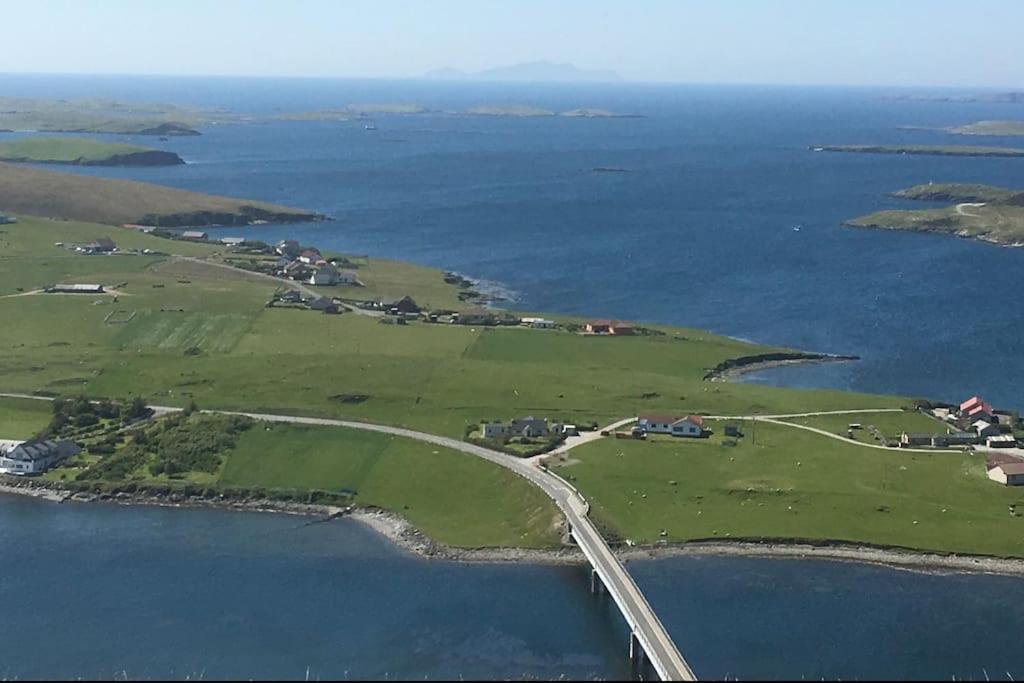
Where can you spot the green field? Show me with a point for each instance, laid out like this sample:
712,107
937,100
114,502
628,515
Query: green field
71,150
97,115
21,419
453,497
786,483
891,425
37,192
204,333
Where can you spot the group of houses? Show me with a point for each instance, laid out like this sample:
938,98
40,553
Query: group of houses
529,427
973,423
34,457
321,304
307,264
689,426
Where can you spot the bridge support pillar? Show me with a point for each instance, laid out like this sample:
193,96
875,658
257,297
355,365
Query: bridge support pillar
637,656
596,585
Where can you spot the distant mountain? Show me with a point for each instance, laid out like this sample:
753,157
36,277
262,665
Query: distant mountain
531,71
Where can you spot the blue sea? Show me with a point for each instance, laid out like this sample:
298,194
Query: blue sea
724,220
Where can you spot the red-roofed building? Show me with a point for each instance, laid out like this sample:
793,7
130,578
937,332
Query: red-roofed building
970,404
609,327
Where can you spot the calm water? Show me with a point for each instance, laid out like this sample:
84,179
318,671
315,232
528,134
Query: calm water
99,592
699,232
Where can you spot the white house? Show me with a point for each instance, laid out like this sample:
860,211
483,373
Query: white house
36,457
985,429
1011,474
690,426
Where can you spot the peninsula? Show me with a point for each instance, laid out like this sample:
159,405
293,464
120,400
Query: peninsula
76,151
39,192
104,116
930,150
991,214
389,364
993,128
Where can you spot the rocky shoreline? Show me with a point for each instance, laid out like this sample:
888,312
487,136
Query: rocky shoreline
737,367
404,535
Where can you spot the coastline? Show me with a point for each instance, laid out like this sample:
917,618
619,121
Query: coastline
737,367
408,538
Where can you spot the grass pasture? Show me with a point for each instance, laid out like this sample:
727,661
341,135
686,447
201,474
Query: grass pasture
891,425
788,483
22,418
455,498
65,150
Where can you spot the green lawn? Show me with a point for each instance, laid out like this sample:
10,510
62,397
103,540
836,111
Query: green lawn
455,498
64,150
891,425
794,484
22,418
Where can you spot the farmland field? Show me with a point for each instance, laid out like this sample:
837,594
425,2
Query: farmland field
789,483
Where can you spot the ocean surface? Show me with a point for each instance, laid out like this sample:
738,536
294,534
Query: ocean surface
103,592
723,220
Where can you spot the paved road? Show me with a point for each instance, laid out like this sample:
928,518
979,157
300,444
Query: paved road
583,438
281,282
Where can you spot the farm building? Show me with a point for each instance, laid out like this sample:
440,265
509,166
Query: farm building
1001,441
324,305
232,241
312,257
103,245
35,457
539,323
1008,474
197,235
690,426
610,327
7,220
75,289
405,305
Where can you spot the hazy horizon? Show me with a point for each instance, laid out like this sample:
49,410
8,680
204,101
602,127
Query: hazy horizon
936,43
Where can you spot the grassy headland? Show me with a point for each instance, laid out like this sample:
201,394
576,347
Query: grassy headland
993,128
39,192
991,214
932,150
103,116
84,152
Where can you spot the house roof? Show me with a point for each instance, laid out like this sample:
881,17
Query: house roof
970,403
981,424
980,409
105,242
32,451
1012,468
660,419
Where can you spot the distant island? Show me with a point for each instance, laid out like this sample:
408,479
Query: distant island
983,212
69,196
104,116
932,150
994,128
988,98
355,112
84,152
540,71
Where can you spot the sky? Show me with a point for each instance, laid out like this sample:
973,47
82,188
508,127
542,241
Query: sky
970,43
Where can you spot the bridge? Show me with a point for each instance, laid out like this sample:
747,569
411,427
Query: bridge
648,638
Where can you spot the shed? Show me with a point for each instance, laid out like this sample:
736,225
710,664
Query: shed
194,235
1008,474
